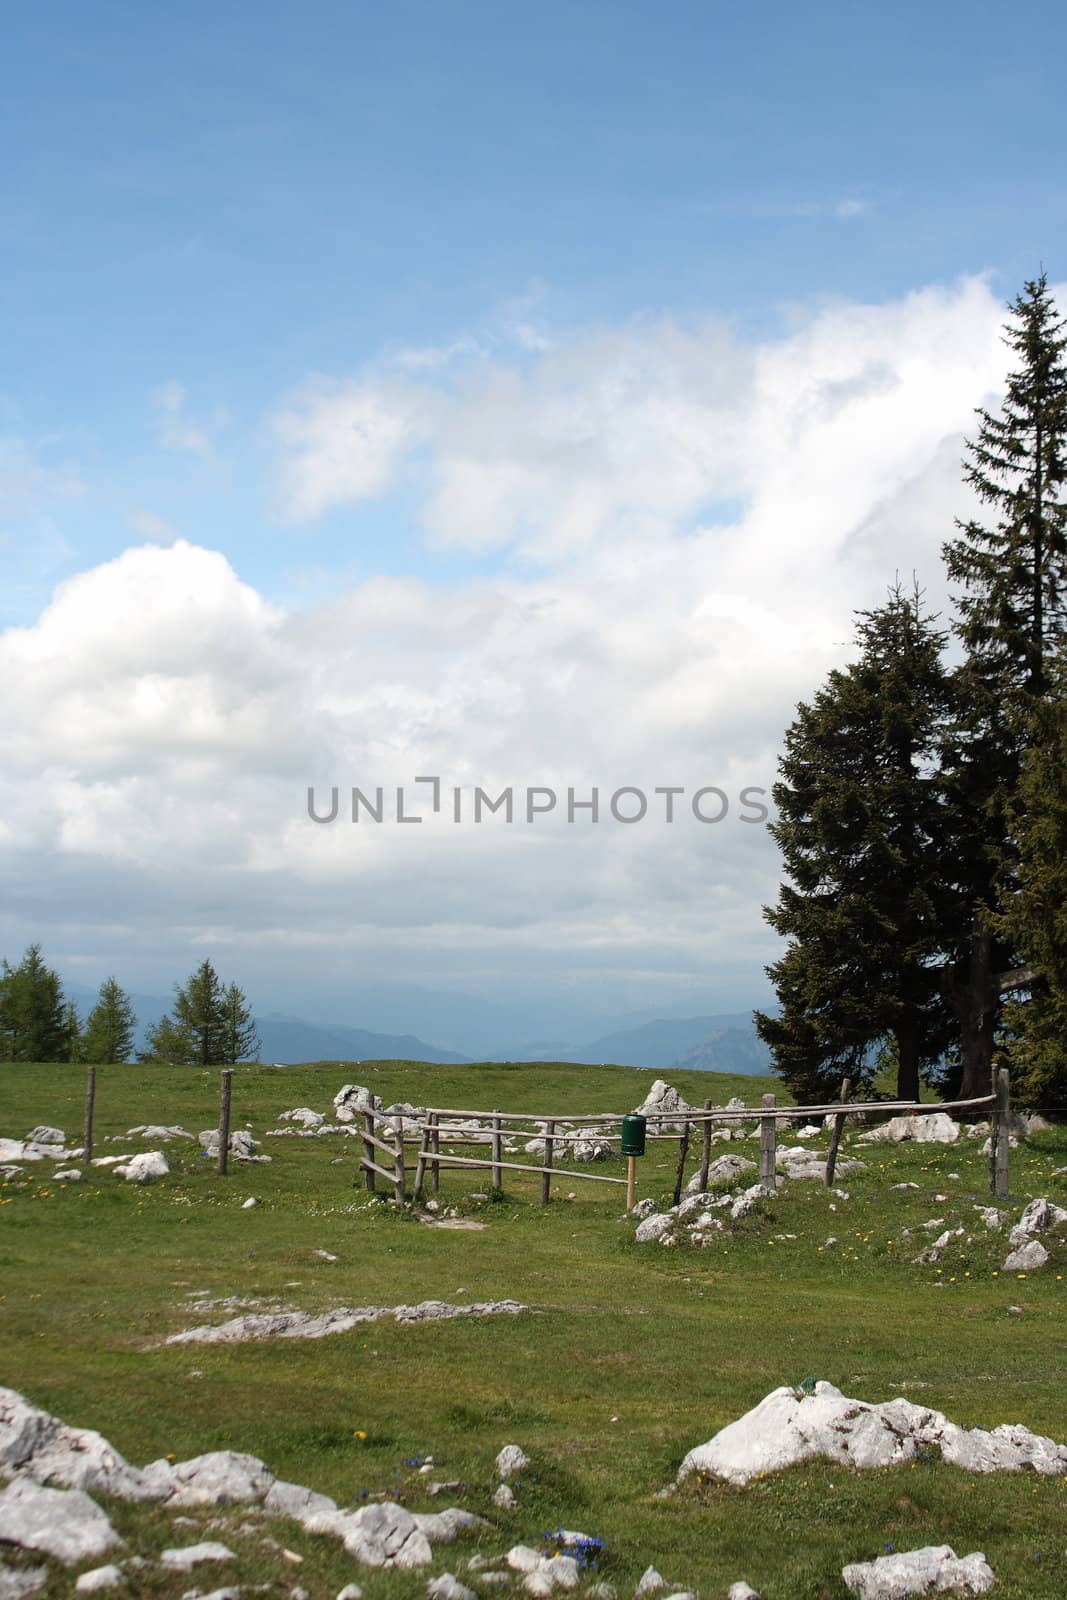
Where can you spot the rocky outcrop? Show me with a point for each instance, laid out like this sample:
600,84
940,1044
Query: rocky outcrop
786,1428
317,1325
936,1568
934,1127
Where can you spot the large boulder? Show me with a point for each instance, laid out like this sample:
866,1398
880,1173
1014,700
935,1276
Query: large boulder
664,1101
63,1523
934,1569
39,1446
653,1228
144,1167
352,1099
934,1127
787,1428
1027,1258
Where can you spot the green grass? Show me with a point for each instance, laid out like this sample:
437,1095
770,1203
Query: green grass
631,1356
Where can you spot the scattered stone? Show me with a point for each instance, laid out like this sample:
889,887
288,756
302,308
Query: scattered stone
351,1591
249,1204
511,1460
723,1169
240,1144
46,1135
446,1586
650,1582
158,1133
911,1572
317,1325
63,1523
643,1208
16,1583
17,1150
325,1255
503,1497
67,1175
99,1578
785,1429
304,1116
1027,1258
520,1558
742,1591
993,1219
293,1500
933,1252
191,1555
143,1168
903,1186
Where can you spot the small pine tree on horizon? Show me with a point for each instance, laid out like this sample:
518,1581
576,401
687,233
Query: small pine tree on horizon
109,1031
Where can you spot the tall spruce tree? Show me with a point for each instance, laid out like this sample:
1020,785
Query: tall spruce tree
240,1034
33,1021
859,826
1035,917
1011,573
110,1028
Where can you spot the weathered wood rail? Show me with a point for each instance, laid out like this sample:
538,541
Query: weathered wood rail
459,1126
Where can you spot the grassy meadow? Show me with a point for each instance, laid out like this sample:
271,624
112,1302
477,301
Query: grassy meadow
629,1356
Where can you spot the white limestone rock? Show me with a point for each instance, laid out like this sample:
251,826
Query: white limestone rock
932,1253
521,1558
99,1578
661,1102
312,1325
41,1447
643,1208
186,1557
504,1497
650,1582
293,1500
46,1135
1029,1257
785,1429
18,1150
380,1535
352,1099
934,1127
936,1569
1040,1216
303,1116
240,1144
68,1175
17,1583
158,1132
63,1523
144,1168
219,1478
742,1591
511,1461
351,1591
446,1586
654,1228
724,1169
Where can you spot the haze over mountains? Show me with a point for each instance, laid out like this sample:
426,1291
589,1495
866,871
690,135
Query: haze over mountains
463,1028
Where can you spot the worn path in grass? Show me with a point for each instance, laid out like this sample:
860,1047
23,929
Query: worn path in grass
630,1355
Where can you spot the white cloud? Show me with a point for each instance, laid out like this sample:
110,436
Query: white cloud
347,442
705,514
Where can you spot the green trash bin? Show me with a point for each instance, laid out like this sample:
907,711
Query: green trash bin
633,1136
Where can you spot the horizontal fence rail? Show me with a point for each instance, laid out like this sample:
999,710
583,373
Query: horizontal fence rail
451,1126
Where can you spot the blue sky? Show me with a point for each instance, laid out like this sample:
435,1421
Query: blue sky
234,197
518,303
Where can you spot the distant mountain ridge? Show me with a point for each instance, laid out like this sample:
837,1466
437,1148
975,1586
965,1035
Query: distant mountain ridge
726,1043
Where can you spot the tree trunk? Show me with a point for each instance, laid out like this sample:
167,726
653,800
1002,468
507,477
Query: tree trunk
906,1035
976,1003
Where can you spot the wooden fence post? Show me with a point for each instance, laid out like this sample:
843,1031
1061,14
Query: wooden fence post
835,1137
705,1151
420,1166
1001,1133
90,1102
683,1151
498,1153
768,1148
546,1177
398,1135
435,1182
224,1121
369,1152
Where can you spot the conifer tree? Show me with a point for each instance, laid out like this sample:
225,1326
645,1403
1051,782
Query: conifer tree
110,1028
1035,918
75,1041
240,1035
1011,573
859,825
33,1021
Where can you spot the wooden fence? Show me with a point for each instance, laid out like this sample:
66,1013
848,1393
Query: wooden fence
385,1139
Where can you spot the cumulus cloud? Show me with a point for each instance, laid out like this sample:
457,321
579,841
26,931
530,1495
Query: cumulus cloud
699,517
